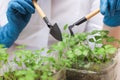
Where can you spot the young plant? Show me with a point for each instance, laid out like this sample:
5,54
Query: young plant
79,53
33,66
3,55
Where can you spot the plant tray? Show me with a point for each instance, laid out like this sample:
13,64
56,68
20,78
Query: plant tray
105,74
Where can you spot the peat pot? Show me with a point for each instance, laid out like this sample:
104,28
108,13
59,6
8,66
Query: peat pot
61,75
106,73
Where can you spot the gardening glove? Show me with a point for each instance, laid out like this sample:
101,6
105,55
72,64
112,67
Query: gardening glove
18,14
111,11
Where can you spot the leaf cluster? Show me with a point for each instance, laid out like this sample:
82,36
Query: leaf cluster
73,52
79,53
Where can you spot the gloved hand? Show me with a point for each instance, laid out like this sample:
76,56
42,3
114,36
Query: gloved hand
18,14
111,11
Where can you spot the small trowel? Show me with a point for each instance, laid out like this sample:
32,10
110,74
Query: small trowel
54,29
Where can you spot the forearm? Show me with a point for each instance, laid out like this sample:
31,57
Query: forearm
113,31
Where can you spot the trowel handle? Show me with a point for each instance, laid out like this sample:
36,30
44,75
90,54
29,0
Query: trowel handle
90,15
40,11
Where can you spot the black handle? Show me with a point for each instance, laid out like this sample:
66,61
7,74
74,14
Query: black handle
82,20
47,22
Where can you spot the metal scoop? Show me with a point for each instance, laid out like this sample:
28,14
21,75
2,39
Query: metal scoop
54,29
82,20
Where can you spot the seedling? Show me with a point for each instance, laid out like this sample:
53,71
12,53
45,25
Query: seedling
79,53
73,52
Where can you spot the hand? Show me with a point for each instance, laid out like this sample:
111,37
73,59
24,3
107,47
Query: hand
111,11
18,14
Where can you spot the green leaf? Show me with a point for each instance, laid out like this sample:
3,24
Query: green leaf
20,47
85,52
44,77
104,32
49,51
111,50
83,36
108,46
52,59
19,73
22,78
97,37
66,26
110,39
101,51
70,54
99,41
77,52
91,40
50,74
94,32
